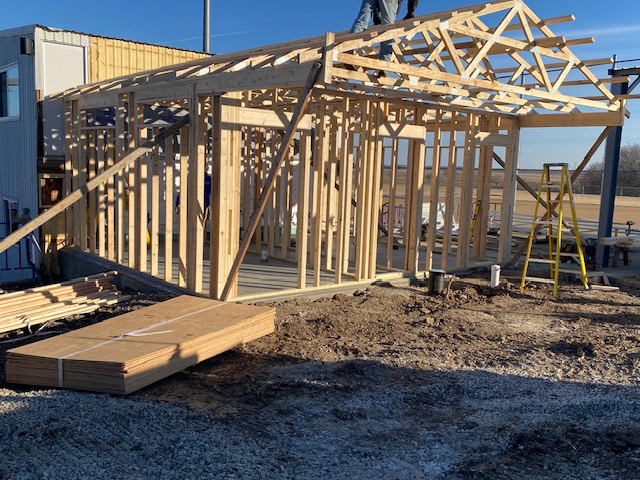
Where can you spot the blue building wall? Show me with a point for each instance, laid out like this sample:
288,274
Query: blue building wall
18,144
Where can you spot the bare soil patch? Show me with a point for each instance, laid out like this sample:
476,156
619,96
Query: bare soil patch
391,382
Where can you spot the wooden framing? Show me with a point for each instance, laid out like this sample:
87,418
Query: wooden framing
315,158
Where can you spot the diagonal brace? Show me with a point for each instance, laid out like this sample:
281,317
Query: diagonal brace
298,113
76,195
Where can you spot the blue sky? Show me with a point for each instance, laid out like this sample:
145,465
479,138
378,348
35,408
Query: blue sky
246,24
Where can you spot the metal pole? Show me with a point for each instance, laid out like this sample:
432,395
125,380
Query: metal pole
205,33
609,180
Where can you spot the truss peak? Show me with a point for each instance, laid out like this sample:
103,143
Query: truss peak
494,57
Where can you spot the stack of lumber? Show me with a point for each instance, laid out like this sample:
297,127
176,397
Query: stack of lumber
623,241
36,306
128,352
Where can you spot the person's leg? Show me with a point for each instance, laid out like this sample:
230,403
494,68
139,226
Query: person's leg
388,12
364,16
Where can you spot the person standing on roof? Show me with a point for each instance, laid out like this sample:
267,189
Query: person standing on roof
385,11
388,10
411,11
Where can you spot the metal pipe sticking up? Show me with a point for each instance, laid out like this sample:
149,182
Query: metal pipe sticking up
205,31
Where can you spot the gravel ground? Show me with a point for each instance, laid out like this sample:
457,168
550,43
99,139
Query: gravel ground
387,383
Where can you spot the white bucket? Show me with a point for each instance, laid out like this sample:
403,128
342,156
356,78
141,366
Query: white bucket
495,276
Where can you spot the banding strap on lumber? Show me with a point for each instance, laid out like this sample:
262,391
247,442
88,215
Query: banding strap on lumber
134,333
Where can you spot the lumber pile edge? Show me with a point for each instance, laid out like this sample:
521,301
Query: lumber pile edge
35,306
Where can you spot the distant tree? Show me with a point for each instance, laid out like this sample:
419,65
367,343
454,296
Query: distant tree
590,180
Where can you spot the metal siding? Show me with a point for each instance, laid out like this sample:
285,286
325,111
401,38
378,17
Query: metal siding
110,58
18,149
65,37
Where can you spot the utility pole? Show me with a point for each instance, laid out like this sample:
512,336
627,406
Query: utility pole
205,32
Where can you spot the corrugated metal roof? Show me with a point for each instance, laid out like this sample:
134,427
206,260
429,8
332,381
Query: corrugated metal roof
57,35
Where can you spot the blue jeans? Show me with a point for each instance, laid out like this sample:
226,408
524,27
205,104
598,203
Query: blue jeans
388,12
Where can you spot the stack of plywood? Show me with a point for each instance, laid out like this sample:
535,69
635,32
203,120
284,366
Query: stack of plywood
131,351
36,306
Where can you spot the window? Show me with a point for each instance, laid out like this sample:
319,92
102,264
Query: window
9,91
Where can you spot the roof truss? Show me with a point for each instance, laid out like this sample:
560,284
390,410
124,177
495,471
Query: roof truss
495,57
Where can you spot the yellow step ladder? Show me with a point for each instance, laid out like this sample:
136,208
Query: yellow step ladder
555,228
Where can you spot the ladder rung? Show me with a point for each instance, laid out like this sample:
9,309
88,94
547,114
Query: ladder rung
540,280
569,270
541,260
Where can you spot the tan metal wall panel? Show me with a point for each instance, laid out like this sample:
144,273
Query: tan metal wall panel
109,58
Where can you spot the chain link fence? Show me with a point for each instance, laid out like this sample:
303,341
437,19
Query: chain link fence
571,144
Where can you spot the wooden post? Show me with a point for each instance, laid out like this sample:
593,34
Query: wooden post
142,196
185,148
120,151
435,190
258,181
69,162
101,203
302,225
481,211
466,197
414,198
319,186
169,187
196,206
391,218
344,196
287,202
330,212
225,201
247,175
110,221
81,179
507,208
154,168
327,60
452,170
133,175
274,206
92,205
376,189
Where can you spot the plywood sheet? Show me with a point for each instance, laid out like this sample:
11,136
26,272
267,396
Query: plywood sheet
128,352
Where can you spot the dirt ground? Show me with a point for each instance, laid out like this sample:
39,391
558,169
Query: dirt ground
392,382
